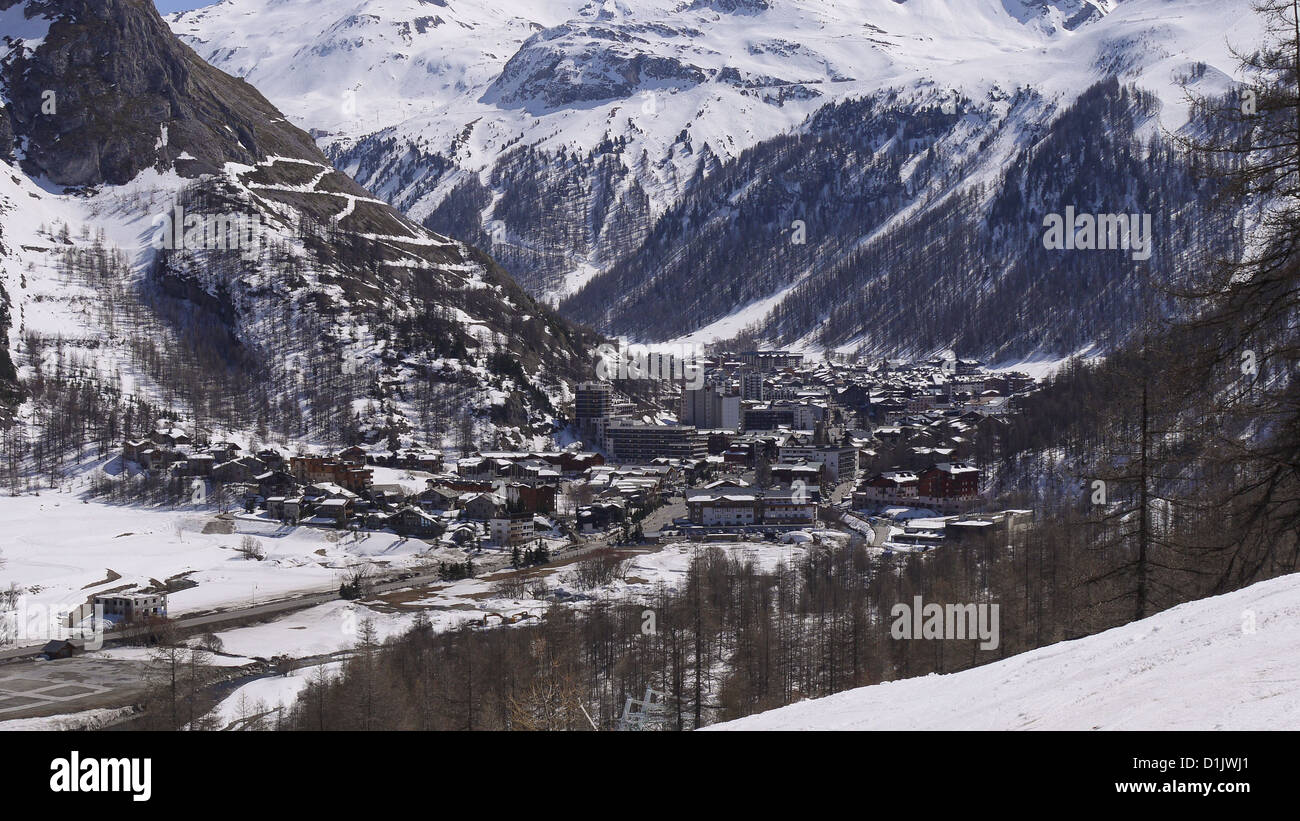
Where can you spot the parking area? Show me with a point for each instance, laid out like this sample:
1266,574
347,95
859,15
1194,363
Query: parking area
37,688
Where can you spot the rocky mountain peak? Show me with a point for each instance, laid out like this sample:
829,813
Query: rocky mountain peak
108,91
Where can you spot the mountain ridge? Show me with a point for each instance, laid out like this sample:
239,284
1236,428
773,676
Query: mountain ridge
346,320
567,150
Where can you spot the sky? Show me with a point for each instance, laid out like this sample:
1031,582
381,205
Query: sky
169,6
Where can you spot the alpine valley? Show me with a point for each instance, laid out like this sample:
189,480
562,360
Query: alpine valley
858,175
649,365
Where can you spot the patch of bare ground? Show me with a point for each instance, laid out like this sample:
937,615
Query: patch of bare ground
220,527
113,576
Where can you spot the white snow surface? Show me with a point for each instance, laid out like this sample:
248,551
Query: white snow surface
1230,662
263,696
62,549
471,82
350,68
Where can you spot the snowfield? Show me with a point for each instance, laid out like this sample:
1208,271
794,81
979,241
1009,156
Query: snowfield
317,631
265,695
65,550
681,83
1230,662
86,720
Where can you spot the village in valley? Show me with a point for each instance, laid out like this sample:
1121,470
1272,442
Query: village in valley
769,447
760,452
572,366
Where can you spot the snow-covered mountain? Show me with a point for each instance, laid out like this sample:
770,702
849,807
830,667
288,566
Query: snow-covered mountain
1222,663
573,73
573,139
171,243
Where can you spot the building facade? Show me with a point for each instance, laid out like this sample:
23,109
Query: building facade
640,443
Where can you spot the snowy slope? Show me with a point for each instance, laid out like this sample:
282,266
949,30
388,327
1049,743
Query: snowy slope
456,77
386,60
65,550
564,70
1230,662
45,300
334,282
449,89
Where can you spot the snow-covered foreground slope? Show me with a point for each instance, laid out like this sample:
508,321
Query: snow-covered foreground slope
1231,662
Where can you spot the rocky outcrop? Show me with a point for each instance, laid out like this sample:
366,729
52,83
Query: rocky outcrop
110,92
379,311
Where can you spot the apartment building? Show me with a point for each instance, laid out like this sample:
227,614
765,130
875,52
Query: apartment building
593,406
708,408
742,507
515,529
841,462
634,442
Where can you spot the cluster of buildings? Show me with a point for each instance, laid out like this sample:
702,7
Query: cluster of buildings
759,441
492,502
771,406
906,434
945,487
175,452
755,391
580,488
736,504
496,502
980,532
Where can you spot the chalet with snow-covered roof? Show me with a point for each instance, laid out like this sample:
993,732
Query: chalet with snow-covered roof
413,522
481,506
949,480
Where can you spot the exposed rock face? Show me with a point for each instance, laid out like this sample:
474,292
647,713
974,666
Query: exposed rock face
6,138
1067,14
127,95
382,313
734,6
560,68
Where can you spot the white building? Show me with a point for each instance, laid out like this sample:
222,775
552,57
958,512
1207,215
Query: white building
841,461
508,531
